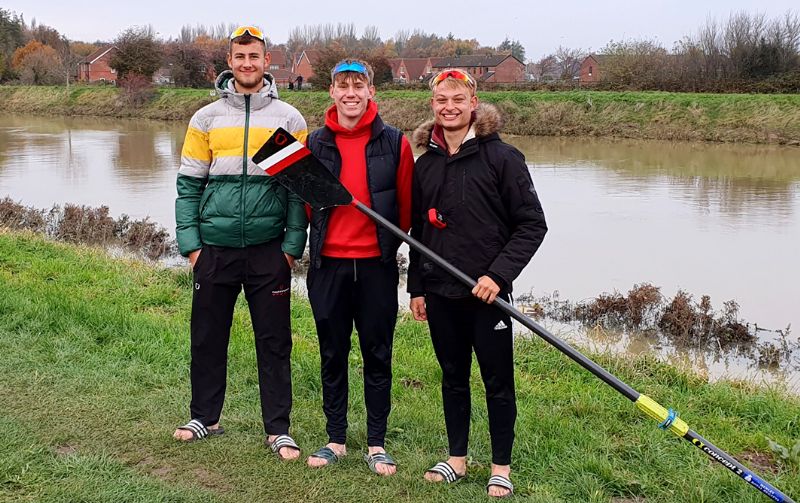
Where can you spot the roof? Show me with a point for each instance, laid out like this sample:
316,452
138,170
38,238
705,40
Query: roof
283,74
279,57
99,53
600,58
472,60
395,64
415,67
313,56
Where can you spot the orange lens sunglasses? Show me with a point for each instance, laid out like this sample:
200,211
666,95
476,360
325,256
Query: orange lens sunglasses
455,74
252,30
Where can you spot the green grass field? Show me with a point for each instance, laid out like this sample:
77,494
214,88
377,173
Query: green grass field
94,378
762,118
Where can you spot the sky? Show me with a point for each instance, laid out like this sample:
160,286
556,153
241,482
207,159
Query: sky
540,26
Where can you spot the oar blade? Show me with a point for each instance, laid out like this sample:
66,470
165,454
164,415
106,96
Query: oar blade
293,166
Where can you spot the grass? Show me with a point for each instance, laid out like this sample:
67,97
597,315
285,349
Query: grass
94,378
750,118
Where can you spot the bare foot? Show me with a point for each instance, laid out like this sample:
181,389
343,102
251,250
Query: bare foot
382,468
459,465
285,453
315,462
497,491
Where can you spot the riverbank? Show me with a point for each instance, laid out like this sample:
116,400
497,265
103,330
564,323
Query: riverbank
95,377
771,119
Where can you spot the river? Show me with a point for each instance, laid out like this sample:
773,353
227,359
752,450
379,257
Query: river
716,219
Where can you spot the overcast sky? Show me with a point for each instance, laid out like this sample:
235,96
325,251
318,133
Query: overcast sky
541,26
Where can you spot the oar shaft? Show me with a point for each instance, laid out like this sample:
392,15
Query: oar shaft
629,393
644,403
737,468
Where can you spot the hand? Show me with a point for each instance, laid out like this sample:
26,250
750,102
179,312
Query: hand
193,256
486,289
290,260
417,306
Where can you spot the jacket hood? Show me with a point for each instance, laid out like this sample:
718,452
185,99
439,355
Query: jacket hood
487,121
364,124
225,88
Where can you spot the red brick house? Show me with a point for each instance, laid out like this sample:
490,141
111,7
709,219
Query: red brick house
304,66
591,68
494,68
280,66
283,77
410,69
96,68
279,60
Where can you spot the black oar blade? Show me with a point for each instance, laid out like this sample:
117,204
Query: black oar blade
294,167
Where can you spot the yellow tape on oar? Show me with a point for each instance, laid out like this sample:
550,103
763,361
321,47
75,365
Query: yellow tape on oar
653,409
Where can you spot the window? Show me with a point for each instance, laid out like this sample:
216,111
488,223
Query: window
274,67
590,70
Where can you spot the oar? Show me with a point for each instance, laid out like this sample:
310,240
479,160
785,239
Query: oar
293,165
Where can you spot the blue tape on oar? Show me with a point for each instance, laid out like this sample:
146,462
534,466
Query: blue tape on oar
668,421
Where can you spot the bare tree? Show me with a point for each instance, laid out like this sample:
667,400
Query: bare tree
568,62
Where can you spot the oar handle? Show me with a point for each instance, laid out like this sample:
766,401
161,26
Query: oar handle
647,405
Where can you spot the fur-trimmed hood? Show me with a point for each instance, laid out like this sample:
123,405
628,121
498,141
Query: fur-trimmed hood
487,121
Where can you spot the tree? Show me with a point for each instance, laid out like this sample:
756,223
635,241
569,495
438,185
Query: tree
380,66
568,62
82,49
11,38
189,63
328,58
546,68
215,54
138,52
636,63
514,47
36,63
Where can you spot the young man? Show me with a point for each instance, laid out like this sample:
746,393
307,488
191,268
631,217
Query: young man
353,275
474,204
240,229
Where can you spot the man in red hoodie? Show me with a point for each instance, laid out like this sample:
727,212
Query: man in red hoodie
353,275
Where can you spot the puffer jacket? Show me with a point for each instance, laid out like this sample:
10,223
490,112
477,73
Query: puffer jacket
485,196
225,199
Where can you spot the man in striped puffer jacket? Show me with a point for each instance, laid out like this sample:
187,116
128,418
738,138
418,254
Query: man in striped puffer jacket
240,230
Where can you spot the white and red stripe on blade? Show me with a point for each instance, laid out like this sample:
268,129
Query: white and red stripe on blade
284,151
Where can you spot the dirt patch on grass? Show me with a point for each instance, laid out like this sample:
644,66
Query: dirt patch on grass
66,450
759,462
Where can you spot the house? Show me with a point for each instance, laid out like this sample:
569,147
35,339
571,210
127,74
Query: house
410,69
96,66
304,66
591,68
279,60
280,67
494,68
163,76
283,77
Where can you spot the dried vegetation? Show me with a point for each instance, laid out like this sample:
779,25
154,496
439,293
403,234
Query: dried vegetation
93,226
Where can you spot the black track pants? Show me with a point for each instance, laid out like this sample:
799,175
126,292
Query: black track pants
457,326
364,291
219,275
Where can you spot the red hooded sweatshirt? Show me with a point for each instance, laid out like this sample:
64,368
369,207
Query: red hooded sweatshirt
351,234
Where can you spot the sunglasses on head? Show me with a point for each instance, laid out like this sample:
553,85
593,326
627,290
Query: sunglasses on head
252,30
453,74
350,66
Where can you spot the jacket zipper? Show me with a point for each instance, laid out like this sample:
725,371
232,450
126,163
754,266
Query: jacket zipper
244,164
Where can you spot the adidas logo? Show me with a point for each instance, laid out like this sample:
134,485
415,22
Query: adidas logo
500,326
